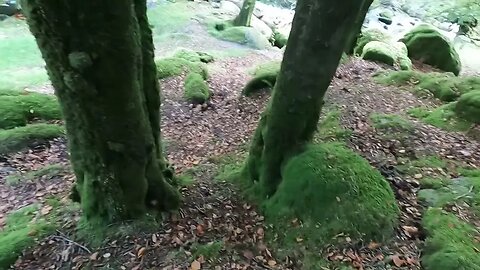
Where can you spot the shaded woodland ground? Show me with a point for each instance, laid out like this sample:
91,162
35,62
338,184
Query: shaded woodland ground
217,227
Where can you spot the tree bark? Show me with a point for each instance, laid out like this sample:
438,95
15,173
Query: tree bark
245,16
99,58
357,28
317,40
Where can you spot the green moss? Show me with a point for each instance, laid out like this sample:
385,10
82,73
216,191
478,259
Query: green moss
442,117
388,52
193,56
15,139
428,45
464,189
369,36
264,76
174,66
468,107
20,232
208,251
360,202
279,40
47,171
391,122
433,183
330,128
247,36
196,89
450,243
18,110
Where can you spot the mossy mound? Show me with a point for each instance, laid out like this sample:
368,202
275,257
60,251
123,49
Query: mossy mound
174,66
196,89
369,36
243,35
426,44
468,106
15,139
193,56
443,86
19,233
18,110
279,40
334,190
450,243
443,117
264,76
393,54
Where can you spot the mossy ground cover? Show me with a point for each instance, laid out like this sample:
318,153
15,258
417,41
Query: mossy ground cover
443,117
174,66
47,171
330,127
443,86
391,122
196,88
15,139
18,109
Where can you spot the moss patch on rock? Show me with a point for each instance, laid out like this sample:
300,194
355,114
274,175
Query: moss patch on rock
391,122
393,54
19,109
450,243
426,44
196,88
264,77
16,139
279,40
359,200
368,36
443,86
468,106
174,66
243,35
194,56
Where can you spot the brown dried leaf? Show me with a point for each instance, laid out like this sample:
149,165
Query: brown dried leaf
195,265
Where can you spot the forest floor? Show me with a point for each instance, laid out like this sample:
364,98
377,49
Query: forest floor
216,228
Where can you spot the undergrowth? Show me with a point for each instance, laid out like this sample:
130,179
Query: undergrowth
15,139
443,117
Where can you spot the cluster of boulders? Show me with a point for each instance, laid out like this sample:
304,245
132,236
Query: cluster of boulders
423,43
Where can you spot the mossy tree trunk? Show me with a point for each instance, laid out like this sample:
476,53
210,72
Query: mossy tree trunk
317,40
357,28
99,58
245,16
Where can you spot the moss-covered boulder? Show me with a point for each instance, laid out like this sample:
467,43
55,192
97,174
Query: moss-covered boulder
194,56
174,66
468,106
279,40
264,76
426,44
247,36
450,242
16,139
334,190
19,108
196,89
368,36
393,54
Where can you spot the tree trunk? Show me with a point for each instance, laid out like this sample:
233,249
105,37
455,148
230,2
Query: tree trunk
357,27
245,15
99,58
318,36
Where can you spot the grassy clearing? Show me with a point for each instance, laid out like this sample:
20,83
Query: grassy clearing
45,172
12,140
443,117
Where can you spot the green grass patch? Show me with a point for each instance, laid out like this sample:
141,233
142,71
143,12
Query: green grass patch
416,165
22,230
209,251
47,171
330,128
464,189
18,110
434,182
12,140
443,86
450,243
443,117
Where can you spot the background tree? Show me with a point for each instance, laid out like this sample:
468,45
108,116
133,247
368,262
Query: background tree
101,66
319,34
245,16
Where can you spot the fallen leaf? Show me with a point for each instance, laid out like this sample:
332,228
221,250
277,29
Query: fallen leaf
195,265
94,256
374,245
141,252
272,263
399,262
